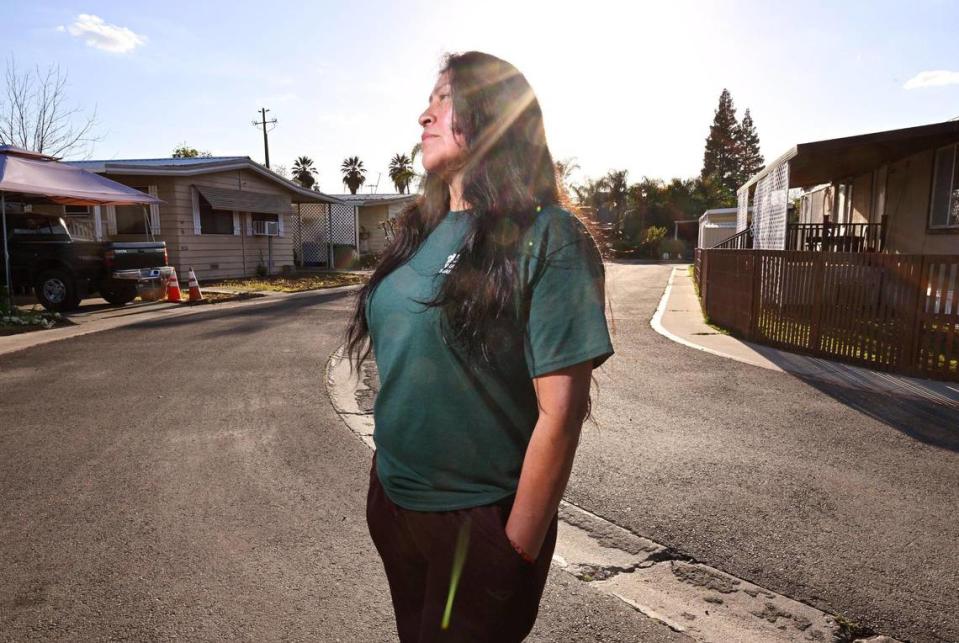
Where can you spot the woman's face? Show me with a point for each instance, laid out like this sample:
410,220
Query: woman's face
442,149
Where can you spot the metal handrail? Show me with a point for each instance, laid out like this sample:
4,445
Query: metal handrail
740,241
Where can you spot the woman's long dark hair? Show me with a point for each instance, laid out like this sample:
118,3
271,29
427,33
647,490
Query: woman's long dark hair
508,175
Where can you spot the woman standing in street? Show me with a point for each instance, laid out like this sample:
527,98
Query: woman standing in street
486,318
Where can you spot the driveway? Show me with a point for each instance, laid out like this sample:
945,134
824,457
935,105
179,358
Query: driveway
839,498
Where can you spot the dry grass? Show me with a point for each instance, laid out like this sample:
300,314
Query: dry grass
292,283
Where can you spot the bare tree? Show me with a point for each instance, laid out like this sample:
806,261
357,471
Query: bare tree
34,114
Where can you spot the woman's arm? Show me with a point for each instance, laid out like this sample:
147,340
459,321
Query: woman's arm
563,396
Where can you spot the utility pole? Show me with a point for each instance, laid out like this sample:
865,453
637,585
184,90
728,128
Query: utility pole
264,123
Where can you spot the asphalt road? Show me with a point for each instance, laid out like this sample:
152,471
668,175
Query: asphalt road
188,478
843,500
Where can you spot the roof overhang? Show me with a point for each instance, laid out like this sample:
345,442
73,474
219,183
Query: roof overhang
299,194
843,158
360,201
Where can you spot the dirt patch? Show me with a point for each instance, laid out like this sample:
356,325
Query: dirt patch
291,283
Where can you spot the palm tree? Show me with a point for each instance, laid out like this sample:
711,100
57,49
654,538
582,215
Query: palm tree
401,172
617,188
304,172
354,174
416,151
564,171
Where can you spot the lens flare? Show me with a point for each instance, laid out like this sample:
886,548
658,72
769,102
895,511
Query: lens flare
459,559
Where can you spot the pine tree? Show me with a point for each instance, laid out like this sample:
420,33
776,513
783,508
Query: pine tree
749,159
720,160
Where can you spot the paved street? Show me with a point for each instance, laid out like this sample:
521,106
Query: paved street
842,499
188,478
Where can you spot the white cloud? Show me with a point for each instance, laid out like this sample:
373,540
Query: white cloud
103,35
937,78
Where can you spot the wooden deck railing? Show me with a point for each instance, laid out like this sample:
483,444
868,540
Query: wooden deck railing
888,312
836,237
821,237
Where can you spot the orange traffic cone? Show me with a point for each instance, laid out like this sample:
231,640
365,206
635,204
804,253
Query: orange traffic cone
173,288
195,294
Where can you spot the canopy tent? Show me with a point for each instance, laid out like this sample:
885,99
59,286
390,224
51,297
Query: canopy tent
39,177
34,177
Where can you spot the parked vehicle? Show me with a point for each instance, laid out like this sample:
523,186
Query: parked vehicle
62,270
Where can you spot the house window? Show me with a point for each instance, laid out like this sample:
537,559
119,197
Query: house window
944,210
133,219
76,210
214,221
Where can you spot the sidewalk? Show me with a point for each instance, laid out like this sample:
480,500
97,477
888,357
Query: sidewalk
96,316
680,318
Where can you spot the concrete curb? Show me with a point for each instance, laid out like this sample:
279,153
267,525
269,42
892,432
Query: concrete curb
699,601
342,386
14,343
657,323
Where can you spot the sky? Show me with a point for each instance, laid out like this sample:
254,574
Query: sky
623,85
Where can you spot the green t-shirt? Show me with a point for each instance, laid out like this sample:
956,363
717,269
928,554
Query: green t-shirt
451,436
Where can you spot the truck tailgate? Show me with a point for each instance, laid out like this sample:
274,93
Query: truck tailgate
135,255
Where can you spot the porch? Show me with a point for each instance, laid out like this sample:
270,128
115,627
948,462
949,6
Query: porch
848,249
820,237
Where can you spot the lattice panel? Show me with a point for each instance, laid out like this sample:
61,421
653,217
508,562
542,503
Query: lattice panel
310,233
769,211
343,224
742,210
315,224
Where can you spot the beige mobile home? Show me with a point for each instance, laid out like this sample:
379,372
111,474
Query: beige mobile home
222,216
895,191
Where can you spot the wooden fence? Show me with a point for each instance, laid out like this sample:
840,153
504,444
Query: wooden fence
888,312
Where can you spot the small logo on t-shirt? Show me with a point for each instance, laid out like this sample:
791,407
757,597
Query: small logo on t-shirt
450,263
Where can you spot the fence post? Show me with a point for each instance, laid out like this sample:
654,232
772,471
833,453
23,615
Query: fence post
910,349
818,278
755,305
704,281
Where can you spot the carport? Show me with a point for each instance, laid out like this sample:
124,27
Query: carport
30,177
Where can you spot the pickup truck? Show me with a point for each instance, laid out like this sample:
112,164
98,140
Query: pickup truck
61,270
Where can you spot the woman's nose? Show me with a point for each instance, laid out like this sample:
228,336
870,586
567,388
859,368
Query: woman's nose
426,118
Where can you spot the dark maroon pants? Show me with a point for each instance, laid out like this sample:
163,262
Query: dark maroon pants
496,595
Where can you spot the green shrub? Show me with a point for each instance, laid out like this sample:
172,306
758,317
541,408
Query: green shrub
652,238
675,247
